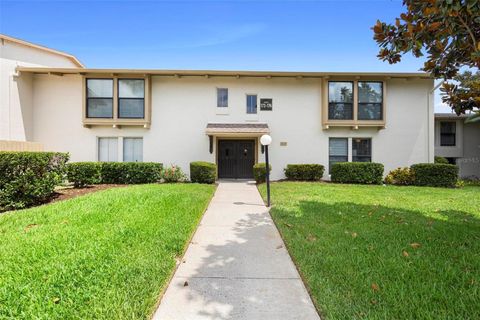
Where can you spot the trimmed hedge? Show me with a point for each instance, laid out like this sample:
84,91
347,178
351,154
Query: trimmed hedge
435,175
29,178
203,172
304,172
260,172
82,174
357,172
130,172
441,160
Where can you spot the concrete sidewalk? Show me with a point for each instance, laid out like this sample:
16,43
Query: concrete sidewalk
236,266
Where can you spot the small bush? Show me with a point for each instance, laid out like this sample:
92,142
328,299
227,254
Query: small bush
173,174
435,174
203,172
304,172
130,172
260,172
29,178
400,176
357,172
441,160
82,174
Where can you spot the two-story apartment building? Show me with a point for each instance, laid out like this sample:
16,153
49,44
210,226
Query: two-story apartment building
459,142
179,116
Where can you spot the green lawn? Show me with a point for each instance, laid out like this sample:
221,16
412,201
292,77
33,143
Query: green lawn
375,252
107,255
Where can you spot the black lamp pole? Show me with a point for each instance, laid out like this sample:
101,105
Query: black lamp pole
267,176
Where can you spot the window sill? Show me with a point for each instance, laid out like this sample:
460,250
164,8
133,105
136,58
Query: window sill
354,124
222,111
115,123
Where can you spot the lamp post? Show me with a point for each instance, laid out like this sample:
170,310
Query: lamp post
266,140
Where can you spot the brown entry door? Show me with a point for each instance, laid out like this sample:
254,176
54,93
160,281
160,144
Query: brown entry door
236,159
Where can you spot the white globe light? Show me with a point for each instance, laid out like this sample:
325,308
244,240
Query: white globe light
266,140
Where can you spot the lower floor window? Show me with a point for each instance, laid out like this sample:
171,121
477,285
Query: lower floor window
108,149
361,150
132,149
338,151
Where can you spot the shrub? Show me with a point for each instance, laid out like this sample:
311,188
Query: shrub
130,172
82,174
173,174
400,176
441,160
304,172
203,172
29,178
357,172
435,174
260,172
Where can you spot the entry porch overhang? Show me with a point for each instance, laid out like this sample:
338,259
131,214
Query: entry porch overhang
237,129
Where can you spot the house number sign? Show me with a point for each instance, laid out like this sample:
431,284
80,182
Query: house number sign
266,104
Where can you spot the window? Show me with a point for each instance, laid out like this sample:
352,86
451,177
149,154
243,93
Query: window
447,133
338,151
99,98
108,149
222,97
340,100
370,100
251,103
131,98
133,149
361,150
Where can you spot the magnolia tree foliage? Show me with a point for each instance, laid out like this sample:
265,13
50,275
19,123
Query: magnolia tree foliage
448,33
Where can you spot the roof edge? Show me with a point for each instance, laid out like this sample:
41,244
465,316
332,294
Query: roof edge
36,46
237,73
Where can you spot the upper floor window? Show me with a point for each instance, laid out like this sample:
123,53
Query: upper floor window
100,98
251,103
370,100
361,150
448,133
340,100
131,98
222,97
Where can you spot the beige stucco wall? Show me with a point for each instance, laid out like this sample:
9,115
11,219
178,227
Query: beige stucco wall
181,109
16,121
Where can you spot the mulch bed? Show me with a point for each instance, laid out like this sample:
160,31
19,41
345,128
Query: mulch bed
71,192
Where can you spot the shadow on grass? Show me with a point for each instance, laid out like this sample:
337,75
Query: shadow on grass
380,262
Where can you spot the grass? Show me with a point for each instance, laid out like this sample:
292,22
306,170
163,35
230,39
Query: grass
106,255
375,252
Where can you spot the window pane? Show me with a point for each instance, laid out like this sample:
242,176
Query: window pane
107,149
362,150
99,88
133,149
131,88
448,134
251,104
340,92
222,97
370,111
340,111
370,92
130,108
338,147
99,108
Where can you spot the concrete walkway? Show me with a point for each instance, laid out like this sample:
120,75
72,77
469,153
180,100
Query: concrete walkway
236,266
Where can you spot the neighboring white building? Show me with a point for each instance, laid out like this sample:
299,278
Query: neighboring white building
459,142
179,116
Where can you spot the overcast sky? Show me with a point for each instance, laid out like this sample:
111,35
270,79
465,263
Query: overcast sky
226,35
